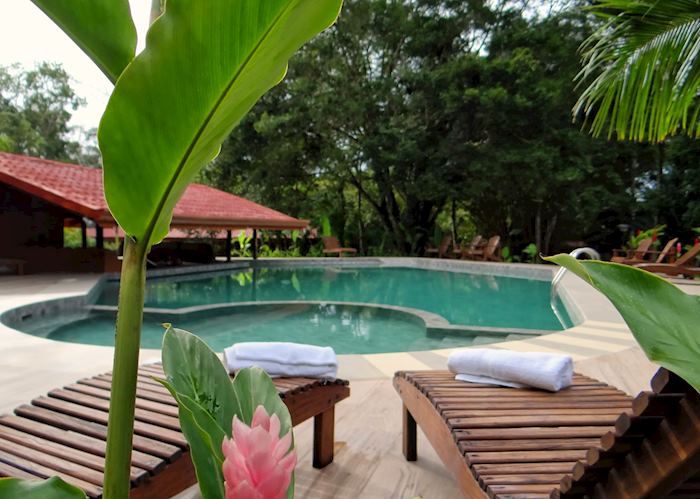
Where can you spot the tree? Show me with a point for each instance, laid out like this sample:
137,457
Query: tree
35,110
642,69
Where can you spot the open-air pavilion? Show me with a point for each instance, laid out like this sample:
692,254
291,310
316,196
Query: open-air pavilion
38,198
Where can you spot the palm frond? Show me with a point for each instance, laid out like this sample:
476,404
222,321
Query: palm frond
642,69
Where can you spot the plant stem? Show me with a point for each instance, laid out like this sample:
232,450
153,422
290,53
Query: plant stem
120,430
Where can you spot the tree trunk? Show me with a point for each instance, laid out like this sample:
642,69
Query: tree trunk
538,228
454,222
360,228
551,224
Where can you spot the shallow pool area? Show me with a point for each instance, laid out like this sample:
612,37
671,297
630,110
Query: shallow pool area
355,309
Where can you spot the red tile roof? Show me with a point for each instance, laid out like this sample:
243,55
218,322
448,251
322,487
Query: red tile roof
79,189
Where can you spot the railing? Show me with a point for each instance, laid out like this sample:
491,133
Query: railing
591,254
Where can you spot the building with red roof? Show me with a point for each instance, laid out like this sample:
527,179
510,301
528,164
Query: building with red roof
38,197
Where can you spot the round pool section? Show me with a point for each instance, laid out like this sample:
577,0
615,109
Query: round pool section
353,309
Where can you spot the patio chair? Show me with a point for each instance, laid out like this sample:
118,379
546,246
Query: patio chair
476,243
589,440
486,253
630,257
331,245
664,253
441,250
683,266
63,434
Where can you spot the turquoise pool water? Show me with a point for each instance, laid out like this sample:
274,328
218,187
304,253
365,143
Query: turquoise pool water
462,299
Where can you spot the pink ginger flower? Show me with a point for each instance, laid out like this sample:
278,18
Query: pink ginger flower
258,463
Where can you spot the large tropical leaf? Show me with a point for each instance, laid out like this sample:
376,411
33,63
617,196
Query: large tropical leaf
205,437
194,370
663,319
103,29
208,401
53,488
642,69
205,64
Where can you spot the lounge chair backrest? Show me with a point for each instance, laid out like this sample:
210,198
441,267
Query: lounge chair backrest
642,248
689,256
492,246
330,242
444,245
664,253
475,242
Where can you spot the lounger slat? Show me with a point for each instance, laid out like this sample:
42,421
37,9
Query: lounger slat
518,421
543,456
10,471
471,445
90,428
141,392
450,412
534,432
507,469
530,478
64,452
144,415
42,471
92,445
623,405
165,409
519,490
140,427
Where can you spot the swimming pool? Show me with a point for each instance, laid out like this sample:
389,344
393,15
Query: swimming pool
354,309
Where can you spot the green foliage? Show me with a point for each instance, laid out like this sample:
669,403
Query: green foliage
654,232
35,109
208,400
531,253
155,136
103,29
662,318
244,245
53,488
642,69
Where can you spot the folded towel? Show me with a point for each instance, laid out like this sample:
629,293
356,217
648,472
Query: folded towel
515,369
283,359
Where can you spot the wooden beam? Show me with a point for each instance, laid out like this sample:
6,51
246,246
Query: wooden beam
228,245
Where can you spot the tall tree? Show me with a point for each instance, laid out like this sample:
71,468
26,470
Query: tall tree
35,110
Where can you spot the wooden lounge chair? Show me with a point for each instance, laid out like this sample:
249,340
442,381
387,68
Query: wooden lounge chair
630,257
589,440
476,243
331,246
64,433
664,253
441,250
683,266
487,253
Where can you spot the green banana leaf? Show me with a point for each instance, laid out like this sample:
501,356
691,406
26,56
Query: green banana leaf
664,320
204,66
103,29
208,400
204,436
53,488
194,370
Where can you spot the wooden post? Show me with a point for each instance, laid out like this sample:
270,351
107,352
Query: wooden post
410,447
83,232
255,244
99,237
324,427
228,245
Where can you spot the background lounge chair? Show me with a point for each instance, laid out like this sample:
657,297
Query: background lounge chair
475,244
441,250
331,245
488,252
64,433
630,257
589,440
670,246
683,266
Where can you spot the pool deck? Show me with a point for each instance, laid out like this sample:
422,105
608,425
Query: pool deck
368,460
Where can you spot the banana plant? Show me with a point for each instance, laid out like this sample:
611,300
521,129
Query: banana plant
205,65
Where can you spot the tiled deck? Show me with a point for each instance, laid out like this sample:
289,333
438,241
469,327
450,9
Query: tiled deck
368,461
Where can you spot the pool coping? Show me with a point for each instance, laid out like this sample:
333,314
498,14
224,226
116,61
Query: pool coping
601,331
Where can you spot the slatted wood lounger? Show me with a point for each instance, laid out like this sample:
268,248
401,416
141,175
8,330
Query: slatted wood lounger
590,440
64,433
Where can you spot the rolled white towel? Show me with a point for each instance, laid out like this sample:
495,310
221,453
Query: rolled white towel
515,369
283,359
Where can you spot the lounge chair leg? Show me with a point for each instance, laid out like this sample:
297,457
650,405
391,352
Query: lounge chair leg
409,436
324,428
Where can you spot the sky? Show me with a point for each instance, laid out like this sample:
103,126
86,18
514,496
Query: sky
28,37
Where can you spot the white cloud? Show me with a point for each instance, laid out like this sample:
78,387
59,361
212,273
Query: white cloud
28,37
